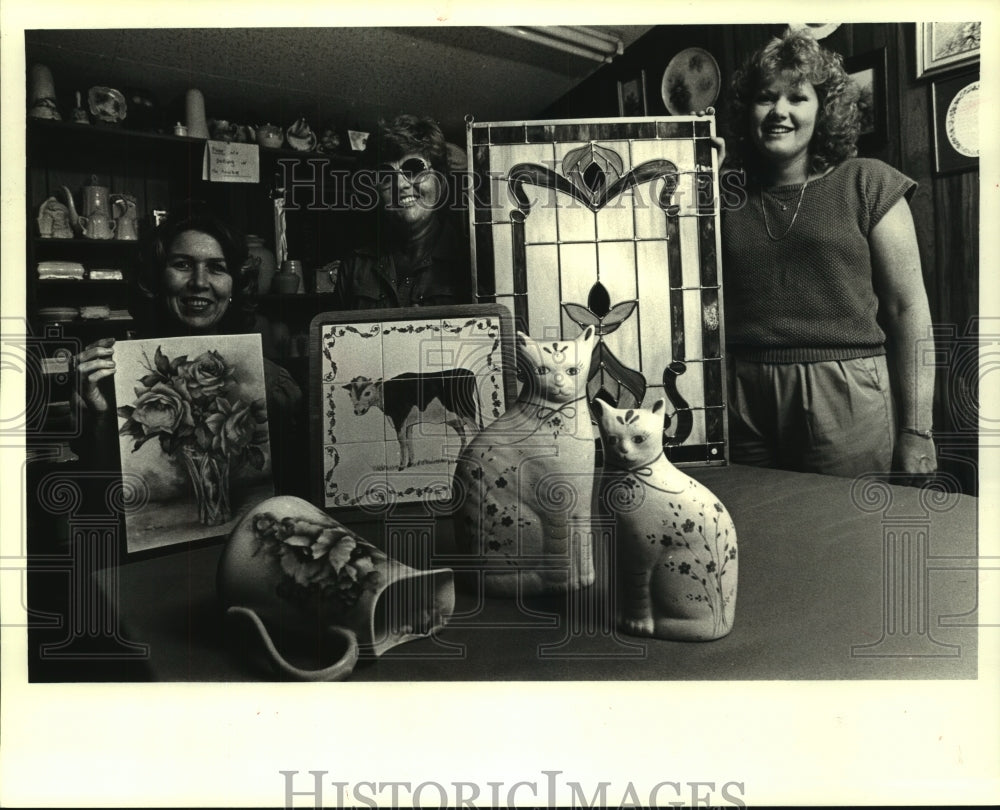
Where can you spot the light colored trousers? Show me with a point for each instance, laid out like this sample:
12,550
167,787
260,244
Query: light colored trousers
834,417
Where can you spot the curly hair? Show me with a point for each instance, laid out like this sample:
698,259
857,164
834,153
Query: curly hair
407,134
838,120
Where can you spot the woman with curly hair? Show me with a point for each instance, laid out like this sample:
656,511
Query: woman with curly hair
421,257
823,280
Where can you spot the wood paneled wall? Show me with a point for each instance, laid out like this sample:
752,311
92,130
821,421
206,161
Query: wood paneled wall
945,207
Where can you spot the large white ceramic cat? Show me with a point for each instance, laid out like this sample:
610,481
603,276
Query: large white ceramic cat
675,543
526,482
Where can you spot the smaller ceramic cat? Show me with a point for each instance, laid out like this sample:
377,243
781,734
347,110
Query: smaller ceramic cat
675,543
526,481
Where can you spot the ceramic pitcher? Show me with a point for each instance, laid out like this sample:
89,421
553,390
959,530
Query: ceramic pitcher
126,225
301,581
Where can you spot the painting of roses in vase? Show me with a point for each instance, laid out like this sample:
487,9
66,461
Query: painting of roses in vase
193,435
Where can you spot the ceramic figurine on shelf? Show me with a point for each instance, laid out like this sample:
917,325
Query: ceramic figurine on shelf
525,484
675,543
299,579
79,115
53,220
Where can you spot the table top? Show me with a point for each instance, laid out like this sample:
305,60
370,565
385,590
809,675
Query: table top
838,579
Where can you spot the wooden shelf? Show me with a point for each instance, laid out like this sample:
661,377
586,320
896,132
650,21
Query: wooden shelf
108,324
81,242
80,283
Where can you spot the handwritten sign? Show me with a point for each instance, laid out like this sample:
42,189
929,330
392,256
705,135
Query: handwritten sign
231,162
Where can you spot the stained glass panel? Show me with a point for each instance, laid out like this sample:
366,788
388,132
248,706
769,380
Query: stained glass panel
615,223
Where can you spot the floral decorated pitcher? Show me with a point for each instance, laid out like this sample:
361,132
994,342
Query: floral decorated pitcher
296,576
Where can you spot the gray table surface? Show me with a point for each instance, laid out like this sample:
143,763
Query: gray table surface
838,580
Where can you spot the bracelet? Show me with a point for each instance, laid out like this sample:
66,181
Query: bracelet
923,434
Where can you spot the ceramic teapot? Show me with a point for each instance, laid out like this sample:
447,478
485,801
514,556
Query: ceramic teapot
270,136
299,581
95,222
126,224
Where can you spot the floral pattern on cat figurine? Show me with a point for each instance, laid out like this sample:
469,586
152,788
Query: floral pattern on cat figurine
675,543
526,483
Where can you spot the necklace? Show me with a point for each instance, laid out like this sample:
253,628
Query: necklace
784,207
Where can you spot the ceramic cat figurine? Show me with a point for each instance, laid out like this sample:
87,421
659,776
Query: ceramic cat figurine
526,482
675,543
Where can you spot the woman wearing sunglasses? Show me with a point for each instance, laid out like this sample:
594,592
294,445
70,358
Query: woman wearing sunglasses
421,258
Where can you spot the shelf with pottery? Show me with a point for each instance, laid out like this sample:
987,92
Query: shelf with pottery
123,137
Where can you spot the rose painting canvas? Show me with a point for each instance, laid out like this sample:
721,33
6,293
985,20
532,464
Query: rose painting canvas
193,436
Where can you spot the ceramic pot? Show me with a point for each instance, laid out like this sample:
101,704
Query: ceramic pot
285,283
299,581
262,257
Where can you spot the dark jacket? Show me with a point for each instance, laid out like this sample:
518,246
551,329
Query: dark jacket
370,278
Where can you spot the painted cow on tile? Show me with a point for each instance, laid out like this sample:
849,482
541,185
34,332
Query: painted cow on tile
406,399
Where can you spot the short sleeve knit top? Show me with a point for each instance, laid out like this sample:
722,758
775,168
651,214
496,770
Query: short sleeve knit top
808,294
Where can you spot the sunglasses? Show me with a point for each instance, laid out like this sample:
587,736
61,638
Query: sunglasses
409,168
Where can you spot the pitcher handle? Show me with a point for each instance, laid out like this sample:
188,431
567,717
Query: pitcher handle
335,672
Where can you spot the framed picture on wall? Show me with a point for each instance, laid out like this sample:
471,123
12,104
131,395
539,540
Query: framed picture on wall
955,104
868,72
944,46
632,96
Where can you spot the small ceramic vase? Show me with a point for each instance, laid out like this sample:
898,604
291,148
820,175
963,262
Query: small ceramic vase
262,257
301,581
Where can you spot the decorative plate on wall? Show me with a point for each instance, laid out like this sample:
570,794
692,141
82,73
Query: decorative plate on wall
691,82
818,30
955,103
